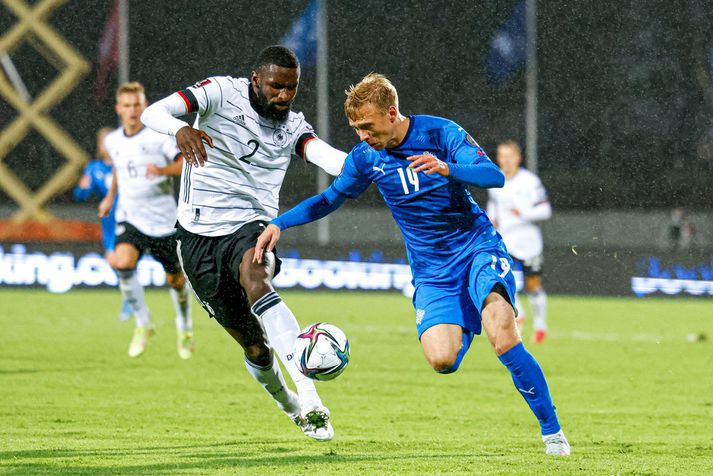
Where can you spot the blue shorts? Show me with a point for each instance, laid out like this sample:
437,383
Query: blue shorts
459,299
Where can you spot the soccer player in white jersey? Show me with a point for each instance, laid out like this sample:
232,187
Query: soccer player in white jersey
145,215
229,191
515,210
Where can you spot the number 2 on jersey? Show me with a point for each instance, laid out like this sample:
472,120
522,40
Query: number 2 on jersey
412,178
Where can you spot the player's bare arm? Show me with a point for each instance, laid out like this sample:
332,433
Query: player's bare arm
428,164
108,202
190,141
266,242
171,170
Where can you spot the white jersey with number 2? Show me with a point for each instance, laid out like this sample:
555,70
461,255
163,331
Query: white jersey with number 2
241,180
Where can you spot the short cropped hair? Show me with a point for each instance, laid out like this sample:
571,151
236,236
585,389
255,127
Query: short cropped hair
374,89
513,144
277,55
133,87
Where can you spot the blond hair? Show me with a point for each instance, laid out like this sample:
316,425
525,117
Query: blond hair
133,87
374,89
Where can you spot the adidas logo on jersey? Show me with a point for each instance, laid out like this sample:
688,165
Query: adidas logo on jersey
240,118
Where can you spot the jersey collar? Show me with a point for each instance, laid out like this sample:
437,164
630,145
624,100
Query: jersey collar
411,121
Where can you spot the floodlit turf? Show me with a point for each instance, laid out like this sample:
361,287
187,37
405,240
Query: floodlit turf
634,396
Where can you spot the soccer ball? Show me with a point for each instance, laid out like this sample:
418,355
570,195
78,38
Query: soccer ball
321,351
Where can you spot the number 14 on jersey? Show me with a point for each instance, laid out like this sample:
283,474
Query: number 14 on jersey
412,178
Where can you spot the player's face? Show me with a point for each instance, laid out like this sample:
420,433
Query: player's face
508,158
276,88
129,107
375,127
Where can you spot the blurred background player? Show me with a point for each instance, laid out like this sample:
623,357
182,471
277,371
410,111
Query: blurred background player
461,270
96,180
515,210
229,192
145,215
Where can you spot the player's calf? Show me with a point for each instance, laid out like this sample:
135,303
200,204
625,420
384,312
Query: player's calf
499,323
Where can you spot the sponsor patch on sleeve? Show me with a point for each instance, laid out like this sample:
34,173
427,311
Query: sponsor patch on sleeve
200,84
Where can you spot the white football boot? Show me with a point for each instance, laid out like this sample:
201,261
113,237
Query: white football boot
556,444
314,423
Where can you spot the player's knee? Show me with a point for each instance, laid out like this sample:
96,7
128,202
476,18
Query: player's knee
123,262
259,354
176,281
443,362
254,280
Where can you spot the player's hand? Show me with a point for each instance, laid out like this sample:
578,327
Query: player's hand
428,164
153,170
105,206
85,182
266,242
190,141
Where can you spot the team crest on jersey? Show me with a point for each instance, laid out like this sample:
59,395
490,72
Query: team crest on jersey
200,84
279,137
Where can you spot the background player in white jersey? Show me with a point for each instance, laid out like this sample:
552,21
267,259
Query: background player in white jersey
145,215
515,209
228,192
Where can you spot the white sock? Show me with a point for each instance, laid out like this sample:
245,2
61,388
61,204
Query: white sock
282,330
133,292
519,305
272,381
538,302
182,302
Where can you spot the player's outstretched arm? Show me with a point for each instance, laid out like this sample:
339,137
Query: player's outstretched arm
171,170
325,156
311,209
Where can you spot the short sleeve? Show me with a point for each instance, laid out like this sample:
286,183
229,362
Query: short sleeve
204,97
351,182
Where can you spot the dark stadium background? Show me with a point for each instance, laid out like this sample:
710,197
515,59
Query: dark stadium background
620,107
625,112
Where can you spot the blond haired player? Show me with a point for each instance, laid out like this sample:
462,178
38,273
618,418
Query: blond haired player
515,210
461,270
145,215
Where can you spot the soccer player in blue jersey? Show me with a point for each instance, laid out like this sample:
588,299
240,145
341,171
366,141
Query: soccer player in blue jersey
96,180
462,274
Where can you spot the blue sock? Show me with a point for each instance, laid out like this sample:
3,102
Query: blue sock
467,339
530,381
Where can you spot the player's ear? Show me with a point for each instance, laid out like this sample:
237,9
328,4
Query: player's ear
254,78
393,113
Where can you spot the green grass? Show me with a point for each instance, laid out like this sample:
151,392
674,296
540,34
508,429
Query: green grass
634,396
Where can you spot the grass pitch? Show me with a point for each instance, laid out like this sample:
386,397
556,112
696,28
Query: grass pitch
633,394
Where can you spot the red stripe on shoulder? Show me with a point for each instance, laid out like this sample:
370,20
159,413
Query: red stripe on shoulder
185,100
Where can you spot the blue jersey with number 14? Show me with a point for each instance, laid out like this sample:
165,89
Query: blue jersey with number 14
441,224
